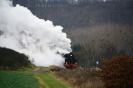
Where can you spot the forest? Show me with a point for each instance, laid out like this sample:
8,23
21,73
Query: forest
98,29
81,13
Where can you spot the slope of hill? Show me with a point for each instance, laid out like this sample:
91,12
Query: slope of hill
68,13
87,13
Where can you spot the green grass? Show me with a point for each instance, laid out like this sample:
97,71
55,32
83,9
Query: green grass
51,82
10,79
26,79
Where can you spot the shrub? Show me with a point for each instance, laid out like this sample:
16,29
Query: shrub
117,72
12,60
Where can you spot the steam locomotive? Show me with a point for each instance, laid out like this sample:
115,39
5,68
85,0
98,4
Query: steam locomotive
70,61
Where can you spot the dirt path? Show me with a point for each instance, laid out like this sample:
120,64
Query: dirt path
39,70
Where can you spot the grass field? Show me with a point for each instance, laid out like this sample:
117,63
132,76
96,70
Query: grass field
29,79
9,79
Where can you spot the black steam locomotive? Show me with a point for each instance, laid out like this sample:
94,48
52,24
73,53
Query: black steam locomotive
70,61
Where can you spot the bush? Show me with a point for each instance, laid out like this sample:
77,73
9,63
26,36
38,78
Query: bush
117,72
12,60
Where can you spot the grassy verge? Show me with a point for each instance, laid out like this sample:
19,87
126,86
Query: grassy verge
10,79
50,81
40,81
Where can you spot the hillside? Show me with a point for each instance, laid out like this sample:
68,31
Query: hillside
83,13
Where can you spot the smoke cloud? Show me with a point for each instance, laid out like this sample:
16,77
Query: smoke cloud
23,32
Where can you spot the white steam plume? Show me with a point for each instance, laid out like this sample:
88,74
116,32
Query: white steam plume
23,32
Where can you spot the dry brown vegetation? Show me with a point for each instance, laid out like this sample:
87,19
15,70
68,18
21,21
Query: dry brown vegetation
79,78
117,72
